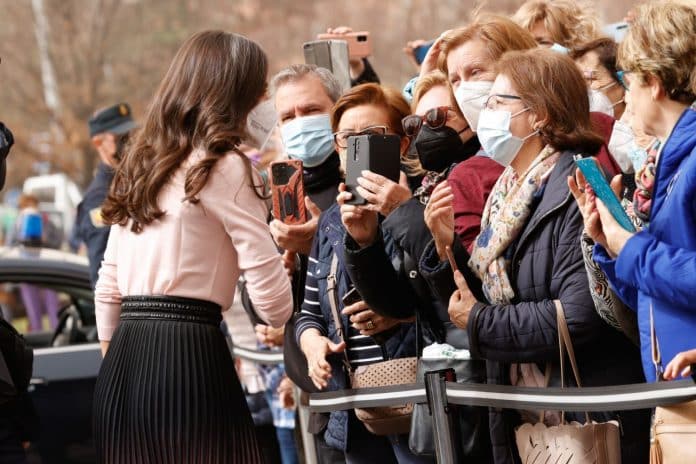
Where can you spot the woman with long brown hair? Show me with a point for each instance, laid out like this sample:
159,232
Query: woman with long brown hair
187,221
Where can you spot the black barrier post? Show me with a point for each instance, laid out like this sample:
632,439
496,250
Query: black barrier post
444,419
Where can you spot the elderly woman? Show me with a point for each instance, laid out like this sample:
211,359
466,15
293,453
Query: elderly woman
653,270
369,337
597,62
558,22
527,255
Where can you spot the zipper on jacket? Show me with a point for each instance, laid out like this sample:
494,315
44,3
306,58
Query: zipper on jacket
515,264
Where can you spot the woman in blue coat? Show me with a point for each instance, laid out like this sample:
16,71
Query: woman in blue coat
654,270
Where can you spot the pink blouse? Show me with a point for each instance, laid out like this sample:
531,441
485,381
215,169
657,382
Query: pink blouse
197,250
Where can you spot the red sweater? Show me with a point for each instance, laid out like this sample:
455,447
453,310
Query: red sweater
472,181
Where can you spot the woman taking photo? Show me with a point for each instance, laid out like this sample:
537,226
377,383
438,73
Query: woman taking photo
364,336
188,220
528,252
653,270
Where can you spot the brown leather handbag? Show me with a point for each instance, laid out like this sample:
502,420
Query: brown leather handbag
386,420
674,427
569,443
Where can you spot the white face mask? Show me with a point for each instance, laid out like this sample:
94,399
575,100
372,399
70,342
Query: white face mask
601,103
471,97
621,144
495,136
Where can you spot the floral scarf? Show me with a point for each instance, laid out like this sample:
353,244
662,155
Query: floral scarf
505,215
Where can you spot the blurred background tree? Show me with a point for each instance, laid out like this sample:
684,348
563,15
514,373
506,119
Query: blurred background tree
64,59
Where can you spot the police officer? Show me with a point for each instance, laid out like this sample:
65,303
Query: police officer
109,129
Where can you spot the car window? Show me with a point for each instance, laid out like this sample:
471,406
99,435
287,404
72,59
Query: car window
35,310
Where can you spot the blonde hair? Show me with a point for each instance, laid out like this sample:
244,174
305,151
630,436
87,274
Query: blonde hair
569,23
428,82
661,41
498,33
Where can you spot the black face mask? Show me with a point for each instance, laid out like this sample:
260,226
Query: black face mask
439,148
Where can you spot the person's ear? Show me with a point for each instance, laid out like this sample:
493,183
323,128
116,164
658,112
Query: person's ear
657,90
537,122
97,140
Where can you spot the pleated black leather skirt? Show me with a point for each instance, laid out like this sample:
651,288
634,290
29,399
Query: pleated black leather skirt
167,390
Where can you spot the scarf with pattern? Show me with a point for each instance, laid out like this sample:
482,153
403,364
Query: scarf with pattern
505,215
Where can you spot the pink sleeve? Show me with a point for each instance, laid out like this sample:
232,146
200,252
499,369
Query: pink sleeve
244,214
107,297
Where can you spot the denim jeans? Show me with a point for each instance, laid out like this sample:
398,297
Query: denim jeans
286,442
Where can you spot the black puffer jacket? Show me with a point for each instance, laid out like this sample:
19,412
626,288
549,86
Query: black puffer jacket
548,265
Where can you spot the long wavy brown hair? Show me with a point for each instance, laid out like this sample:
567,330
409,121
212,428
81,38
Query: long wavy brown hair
214,81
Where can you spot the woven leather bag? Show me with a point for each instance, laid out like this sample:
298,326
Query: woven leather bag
381,420
674,427
574,443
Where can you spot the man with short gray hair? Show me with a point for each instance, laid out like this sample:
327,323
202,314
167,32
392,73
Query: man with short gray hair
304,96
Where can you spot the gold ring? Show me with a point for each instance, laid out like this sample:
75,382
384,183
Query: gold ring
370,324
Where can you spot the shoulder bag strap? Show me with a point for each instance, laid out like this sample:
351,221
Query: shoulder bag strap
333,302
565,343
655,347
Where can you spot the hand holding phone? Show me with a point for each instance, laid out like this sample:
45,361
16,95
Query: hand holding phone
359,45
379,154
351,297
287,190
595,177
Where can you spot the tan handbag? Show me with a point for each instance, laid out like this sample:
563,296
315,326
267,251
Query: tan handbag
381,420
674,427
574,443
391,419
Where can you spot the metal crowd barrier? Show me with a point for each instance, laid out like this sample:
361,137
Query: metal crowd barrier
439,393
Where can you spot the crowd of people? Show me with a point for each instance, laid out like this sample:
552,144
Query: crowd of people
490,236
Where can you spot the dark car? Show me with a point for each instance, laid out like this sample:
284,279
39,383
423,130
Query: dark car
47,296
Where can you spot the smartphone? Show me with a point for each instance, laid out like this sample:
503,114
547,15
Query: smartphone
421,51
332,55
595,177
287,191
359,45
380,154
351,297
450,258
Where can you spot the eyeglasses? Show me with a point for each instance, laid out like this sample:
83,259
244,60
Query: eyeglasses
341,137
434,118
498,98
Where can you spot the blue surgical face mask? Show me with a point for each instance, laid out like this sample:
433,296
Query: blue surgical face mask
496,139
308,139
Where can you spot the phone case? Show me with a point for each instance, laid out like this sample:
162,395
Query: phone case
287,190
332,55
380,154
421,51
359,45
351,297
595,177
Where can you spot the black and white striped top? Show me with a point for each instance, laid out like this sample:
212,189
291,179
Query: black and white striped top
361,348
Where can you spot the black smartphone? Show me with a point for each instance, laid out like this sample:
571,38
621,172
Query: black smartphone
351,297
380,154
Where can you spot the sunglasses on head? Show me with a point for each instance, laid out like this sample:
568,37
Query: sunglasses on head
434,118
